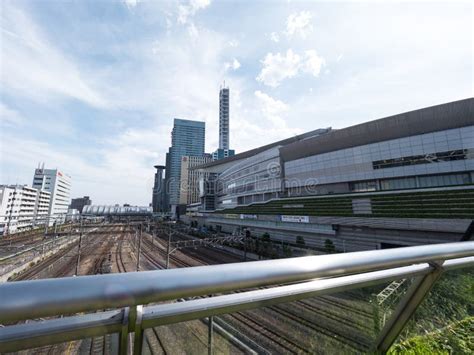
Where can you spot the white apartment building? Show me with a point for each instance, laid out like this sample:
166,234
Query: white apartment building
59,185
21,208
43,199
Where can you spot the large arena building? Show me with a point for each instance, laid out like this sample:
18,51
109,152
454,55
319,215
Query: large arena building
401,180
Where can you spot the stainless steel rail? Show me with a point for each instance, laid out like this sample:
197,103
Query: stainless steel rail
33,299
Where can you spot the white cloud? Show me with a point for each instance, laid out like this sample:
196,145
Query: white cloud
277,67
10,117
233,43
131,3
32,66
186,11
193,31
272,108
234,65
274,37
299,24
312,63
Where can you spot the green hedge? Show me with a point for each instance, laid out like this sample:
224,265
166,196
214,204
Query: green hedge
455,339
432,204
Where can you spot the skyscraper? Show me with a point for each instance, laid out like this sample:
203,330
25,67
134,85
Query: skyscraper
59,185
158,202
224,118
187,139
224,130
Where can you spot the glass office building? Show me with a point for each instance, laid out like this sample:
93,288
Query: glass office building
187,139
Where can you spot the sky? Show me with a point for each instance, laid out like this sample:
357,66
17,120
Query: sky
92,87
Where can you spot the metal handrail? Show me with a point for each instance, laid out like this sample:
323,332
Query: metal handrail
88,293
33,299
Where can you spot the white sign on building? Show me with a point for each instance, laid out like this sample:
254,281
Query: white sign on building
248,216
295,219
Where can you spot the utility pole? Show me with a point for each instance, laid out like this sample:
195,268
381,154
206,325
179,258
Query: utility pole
79,250
245,244
169,248
47,225
140,226
55,232
135,239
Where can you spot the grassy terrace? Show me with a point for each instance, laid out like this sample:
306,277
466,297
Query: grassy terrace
427,204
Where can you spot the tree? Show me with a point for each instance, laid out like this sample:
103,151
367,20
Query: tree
300,241
329,246
287,251
265,249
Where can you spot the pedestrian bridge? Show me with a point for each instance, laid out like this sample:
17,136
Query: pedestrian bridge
101,210
132,302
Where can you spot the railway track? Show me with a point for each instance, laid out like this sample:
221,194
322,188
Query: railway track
283,342
316,315
33,272
155,344
348,337
331,322
118,254
329,301
96,249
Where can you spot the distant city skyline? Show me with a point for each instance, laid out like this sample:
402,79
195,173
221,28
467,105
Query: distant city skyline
92,87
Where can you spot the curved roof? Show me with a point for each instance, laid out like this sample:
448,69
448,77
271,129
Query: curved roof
252,152
431,119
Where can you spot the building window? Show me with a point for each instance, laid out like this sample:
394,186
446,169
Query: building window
450,155
362,186
444,180
425,181
398,184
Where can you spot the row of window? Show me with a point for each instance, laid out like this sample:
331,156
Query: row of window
451,155
412,182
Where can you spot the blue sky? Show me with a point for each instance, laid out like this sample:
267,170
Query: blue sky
91,87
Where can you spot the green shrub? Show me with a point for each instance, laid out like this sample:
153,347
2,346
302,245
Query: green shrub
454,339
300,241
329,246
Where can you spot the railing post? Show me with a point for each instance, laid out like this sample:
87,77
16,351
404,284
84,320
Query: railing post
407,306
210,338
123,341
138,342
245,245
